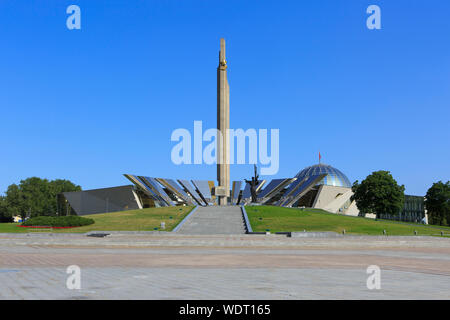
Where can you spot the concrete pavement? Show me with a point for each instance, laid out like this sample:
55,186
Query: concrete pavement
133,266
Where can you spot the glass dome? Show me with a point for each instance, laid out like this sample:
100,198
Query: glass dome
334,177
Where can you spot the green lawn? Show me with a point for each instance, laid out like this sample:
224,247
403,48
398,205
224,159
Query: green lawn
11,228
279,219
131,220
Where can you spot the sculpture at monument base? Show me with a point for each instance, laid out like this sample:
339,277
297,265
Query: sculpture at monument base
253,184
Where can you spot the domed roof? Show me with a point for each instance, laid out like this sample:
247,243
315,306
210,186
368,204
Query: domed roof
334,177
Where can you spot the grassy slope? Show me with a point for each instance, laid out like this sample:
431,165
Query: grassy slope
278,219
11,228
131,220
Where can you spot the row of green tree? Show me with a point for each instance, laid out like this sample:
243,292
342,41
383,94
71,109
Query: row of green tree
33,197
380,194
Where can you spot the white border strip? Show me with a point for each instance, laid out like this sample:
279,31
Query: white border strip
184,220
247,222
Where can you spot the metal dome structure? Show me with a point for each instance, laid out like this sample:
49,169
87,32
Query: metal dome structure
334,176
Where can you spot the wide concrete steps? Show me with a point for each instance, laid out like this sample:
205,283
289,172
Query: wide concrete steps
215,220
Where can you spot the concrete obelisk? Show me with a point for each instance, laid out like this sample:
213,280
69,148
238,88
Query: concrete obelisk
223,125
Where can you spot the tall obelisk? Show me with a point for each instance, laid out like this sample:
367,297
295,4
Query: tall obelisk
223,125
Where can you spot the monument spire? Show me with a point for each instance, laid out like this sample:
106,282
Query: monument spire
223,126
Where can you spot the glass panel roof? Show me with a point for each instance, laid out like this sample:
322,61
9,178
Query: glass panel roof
237,188
156,187
334,177
306,184
173,185
188,186
203,187
293,186
137,181
271,186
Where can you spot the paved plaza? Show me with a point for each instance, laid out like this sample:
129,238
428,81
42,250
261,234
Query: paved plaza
178,266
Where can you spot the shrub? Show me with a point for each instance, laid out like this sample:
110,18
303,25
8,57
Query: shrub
63,221
6,219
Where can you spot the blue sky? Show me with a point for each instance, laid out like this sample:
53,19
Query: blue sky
89,105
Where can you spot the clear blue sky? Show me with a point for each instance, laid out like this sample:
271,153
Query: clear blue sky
89,105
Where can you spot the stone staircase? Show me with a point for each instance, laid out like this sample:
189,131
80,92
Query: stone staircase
215,220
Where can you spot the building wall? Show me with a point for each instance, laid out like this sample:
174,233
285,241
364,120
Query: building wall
328,194
335,200
413,210
102,200
353,210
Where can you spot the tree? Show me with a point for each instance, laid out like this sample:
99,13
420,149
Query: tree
5,215
379,193
437,203
58,186
35,196
15,201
